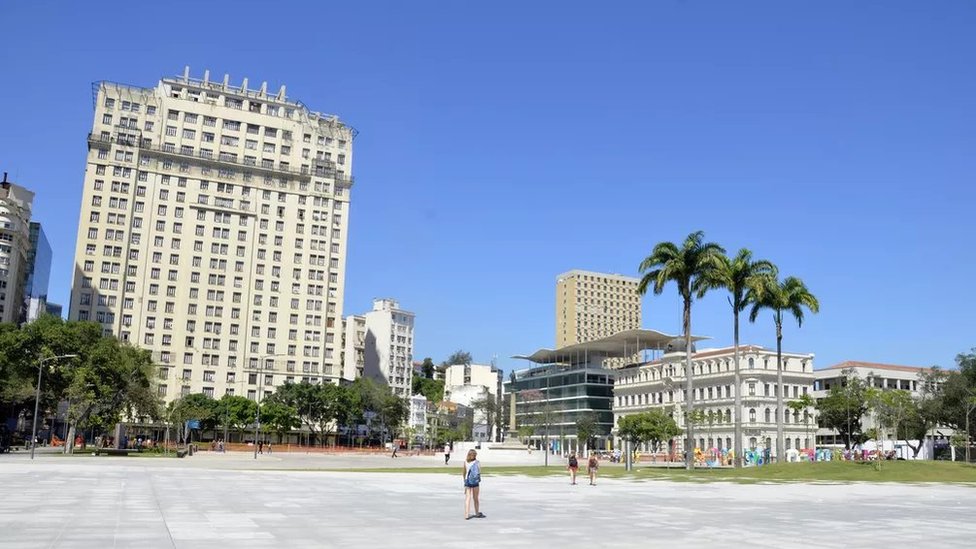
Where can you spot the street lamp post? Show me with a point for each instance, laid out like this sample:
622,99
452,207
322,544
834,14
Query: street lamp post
970,406
37,396
257,418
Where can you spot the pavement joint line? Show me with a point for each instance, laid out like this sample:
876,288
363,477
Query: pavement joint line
162,515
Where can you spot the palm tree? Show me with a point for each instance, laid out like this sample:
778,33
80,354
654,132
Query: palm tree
738,275
689,267
789,296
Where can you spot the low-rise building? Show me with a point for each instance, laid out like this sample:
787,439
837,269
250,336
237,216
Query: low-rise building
880,376
467,384
660,383
571,383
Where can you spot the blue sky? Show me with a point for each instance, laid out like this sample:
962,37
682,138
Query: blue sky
503,143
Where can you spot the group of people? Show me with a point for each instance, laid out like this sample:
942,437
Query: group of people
217,445
592,465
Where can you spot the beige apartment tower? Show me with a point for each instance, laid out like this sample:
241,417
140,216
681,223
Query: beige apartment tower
595,305
213,232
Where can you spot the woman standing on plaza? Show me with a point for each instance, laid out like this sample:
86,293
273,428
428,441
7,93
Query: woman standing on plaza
472,485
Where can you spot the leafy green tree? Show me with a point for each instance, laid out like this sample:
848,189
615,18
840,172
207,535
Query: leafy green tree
653,426
790,296
458,357
690,267
393,412
113,381
427,369
279,418
235,412
738,275
957,390
844,407
525,432
487,405
586,428
891,408
317,406
196,406
431,389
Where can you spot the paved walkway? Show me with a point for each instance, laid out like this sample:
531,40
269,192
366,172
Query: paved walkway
138,502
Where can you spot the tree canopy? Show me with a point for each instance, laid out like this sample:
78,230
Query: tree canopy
844,407
653,426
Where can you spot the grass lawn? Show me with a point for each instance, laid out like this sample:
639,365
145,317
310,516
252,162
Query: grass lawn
834,471
89,453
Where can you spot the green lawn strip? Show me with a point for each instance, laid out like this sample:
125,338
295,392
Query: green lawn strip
892,471
90,454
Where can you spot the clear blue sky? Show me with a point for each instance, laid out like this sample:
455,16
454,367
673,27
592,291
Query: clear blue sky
505,142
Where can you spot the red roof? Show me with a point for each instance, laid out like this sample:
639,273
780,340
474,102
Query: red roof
876,366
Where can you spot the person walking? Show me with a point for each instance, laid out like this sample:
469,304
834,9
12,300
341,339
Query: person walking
591,467
472,485
260,446
447,453
395,447
573,467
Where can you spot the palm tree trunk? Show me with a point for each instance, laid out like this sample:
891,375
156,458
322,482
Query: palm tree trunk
780,445
738,393
689,393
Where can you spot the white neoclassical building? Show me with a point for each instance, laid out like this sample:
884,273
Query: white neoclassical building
660,383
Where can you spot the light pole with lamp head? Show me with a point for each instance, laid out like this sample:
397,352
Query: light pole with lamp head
37,396
257,418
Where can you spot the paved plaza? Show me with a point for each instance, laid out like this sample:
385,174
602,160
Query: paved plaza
230,501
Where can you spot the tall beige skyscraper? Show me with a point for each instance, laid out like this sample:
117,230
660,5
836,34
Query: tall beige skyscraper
594,305
213,232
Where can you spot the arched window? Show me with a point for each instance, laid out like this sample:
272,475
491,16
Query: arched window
752,364
769,442
728,416
786,417
752,443
728,443
789,444
767,415
701,443
752,417
797,443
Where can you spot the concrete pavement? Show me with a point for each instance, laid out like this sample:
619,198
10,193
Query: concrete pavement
214,502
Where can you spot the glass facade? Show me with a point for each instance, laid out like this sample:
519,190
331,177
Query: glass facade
37,274
554,397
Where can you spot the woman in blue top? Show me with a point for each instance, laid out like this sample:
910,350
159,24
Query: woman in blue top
472,485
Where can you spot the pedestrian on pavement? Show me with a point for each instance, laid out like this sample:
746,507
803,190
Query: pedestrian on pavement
260,446
472,485
573,467
591,468
394,450
447,453
269,446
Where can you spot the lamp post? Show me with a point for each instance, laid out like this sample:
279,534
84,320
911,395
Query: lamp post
257,418
970,406
37,396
